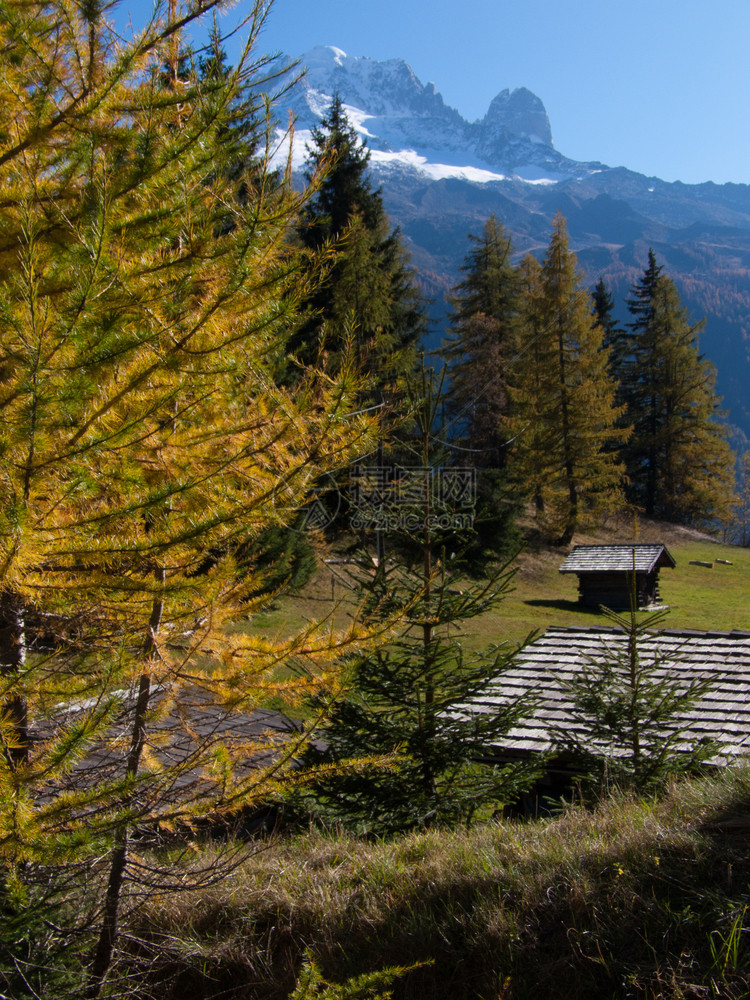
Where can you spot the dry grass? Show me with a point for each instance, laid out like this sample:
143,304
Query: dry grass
625,901
637,899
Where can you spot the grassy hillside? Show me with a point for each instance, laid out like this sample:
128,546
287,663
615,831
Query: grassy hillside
699,598
637,899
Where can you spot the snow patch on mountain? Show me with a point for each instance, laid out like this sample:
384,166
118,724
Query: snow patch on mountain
357,119
409,160
407,125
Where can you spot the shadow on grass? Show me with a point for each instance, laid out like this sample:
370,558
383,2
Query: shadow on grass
573,607
733,819
645,901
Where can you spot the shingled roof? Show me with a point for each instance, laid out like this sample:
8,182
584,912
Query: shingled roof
181,739
722,714
615,558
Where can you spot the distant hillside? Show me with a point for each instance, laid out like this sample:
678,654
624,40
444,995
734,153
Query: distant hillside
442,177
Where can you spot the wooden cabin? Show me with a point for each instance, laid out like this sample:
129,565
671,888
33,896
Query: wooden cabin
544,669
604,574
182,738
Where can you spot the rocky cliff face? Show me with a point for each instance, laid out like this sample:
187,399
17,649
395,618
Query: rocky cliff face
517,113
398,114
441,177
382,89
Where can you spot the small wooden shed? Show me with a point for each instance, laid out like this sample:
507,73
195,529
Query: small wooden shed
604,573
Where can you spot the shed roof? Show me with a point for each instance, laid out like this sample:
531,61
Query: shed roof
182,738
616,558
721,714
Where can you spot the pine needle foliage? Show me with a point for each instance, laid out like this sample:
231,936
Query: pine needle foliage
376,985
407,701
623,730
147,293
679,463
365,281
483,339
563,410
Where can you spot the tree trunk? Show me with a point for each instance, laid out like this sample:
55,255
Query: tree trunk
119,857
12,660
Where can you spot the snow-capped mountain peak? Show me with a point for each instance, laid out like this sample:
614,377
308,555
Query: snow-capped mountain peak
323,58
408,125
380,88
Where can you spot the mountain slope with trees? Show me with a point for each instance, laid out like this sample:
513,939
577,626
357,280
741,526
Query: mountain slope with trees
700,232
577,410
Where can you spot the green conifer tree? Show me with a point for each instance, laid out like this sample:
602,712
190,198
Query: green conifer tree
367,291
679,464
482,340
624,729
406,703
614,339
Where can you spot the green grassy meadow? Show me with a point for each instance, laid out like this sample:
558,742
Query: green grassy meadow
715,599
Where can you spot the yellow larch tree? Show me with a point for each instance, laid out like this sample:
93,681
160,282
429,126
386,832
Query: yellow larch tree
144,309
563,410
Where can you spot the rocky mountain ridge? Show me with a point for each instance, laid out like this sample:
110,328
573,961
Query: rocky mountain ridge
397,114
441,177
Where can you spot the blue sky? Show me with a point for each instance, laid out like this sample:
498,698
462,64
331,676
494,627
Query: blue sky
660,86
